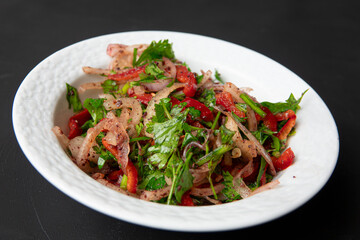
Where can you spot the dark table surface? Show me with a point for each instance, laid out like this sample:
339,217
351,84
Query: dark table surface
318,40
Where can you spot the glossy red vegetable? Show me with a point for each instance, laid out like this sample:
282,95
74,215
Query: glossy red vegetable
206,114
225,99
76,121
284,161
269,120
114,175
131,171
144,98
174,101
186,200
286,129
132,175
127,74
183,75
285,115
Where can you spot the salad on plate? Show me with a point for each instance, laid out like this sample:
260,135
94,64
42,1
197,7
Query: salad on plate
160,132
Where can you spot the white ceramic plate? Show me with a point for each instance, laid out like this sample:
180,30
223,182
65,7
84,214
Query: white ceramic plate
40,104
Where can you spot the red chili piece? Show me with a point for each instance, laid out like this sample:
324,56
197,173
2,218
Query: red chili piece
76,121
225,99
284,161
131,171
186,200
128,74
183,75
285,130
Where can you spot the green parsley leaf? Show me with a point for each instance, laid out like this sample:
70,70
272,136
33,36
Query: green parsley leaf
226,134
208,98
109,86
229,192
290,104
185,180
155,51
73,99
194,113
95,108
262,133
154,179
166,136
217,77
139,127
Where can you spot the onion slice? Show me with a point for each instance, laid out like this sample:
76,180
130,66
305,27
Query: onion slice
111,124
201,192
136,112
155,194
251,137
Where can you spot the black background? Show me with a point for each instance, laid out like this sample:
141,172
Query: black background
318,40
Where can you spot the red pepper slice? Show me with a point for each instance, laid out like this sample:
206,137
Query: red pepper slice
76,121
269,120
186,200
114,175
285,115
174,101
284,161
225,99
132,175
206,113
128,74
131,171
183,75
144,98
285,130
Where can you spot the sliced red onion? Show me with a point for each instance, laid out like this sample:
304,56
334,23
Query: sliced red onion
251,137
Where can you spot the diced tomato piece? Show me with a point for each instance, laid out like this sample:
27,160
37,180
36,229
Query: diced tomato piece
285,115
225,99
284,161
127,74
76,121
286,129
183,75
269,120
186,200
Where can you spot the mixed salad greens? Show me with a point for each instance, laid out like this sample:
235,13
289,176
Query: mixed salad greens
163,133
